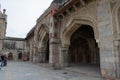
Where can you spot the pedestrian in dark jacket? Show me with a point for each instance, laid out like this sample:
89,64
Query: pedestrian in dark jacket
0,63
3,60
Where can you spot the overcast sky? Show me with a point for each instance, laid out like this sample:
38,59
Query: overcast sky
22,15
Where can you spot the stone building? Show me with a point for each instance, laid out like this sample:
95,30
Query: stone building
14,48
78,32
3,25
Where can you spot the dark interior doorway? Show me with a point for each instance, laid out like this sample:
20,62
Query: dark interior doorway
83,47
20,56
47,52
10,56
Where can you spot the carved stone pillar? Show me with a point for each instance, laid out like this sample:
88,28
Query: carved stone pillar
64,57
107,53
54,42
54,53
35,58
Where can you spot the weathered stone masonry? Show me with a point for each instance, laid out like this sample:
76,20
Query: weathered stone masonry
78,32
3,26
14,48
98,36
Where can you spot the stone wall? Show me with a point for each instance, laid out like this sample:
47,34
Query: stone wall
14,46
106,40
3,25
60,23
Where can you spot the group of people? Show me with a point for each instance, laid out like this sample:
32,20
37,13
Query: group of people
3,60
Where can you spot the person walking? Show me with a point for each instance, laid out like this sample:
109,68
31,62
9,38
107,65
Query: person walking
3,60
0,63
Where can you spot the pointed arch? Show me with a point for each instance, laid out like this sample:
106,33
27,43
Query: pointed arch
41,33
43,43
74,24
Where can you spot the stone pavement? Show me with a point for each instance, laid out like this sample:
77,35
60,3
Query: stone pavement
29,71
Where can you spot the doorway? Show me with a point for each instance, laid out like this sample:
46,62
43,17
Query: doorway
84,51
20,56
10,56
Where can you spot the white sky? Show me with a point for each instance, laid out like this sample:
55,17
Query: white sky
22,15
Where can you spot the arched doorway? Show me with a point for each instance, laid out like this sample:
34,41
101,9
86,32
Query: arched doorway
20,56
47,52
43,43
44,49
83,50
10,56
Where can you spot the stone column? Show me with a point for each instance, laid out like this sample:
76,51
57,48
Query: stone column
35,53
53,47
30,57
64,57
54,52
107,54
117,56
54,41
31,53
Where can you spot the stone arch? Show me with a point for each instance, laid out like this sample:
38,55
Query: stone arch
41,34
45,46
80,46
42,43
116,19
74,24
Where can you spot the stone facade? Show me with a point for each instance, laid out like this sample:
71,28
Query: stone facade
78,31
56,38
3,24
14,48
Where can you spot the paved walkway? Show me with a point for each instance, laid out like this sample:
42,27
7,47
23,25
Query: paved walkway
86,69
29,71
